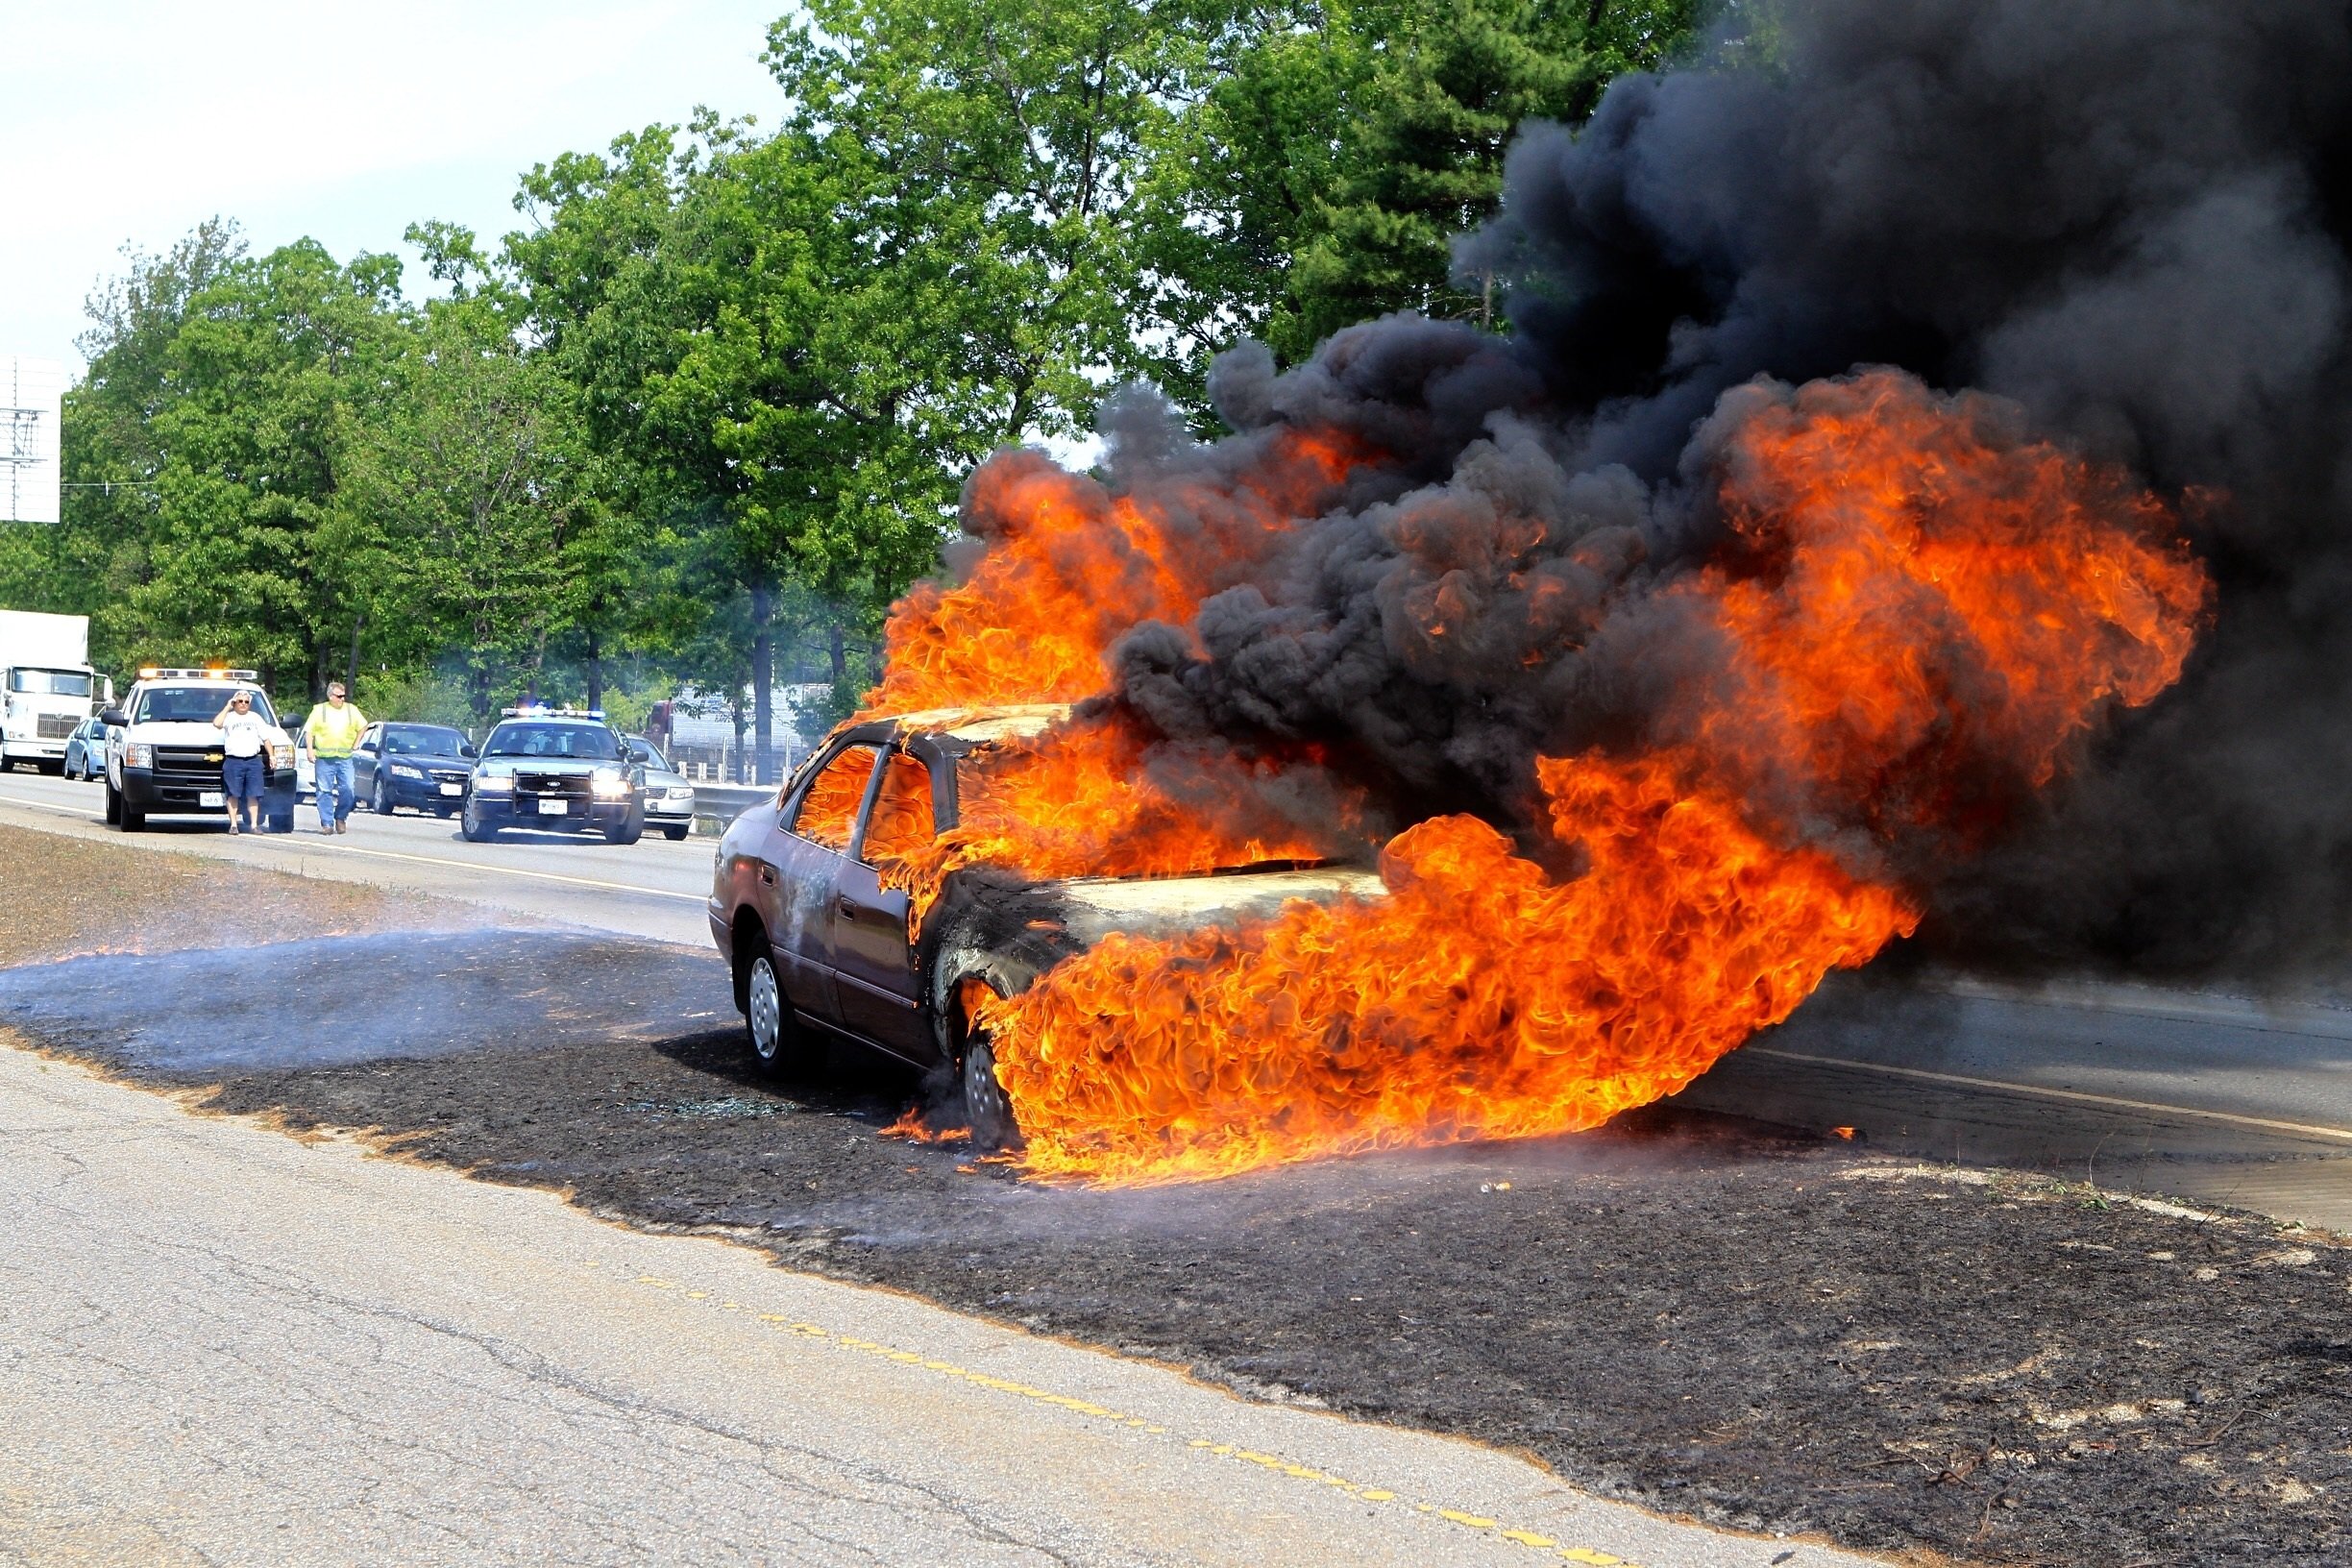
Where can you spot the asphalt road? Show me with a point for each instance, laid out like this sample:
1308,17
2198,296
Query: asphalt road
653,887
2221,1098
227,1346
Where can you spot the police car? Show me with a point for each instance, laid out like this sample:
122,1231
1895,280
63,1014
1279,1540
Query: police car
163,756
555,769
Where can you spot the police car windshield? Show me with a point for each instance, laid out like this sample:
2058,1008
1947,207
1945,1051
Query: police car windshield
192,704
538,739
421,741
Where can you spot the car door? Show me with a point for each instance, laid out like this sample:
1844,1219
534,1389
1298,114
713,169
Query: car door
800,869
873,958
363,761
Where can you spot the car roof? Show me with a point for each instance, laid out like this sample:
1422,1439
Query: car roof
994,721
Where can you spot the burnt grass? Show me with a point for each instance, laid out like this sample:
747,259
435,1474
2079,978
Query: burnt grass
1710,1316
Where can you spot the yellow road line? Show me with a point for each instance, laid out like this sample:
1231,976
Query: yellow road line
783,1323
2077,1096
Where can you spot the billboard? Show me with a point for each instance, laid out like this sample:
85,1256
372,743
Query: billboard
29,390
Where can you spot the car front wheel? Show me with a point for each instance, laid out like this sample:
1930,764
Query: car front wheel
474,828
986,1111
379,800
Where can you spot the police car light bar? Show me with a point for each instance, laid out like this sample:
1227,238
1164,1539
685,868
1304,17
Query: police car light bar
540,710
151,672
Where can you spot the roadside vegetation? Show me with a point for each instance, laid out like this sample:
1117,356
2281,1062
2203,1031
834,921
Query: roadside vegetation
707,412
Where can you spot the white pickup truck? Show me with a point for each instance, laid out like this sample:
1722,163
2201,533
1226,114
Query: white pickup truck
165,756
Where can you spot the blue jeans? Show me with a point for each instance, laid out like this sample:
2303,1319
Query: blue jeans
336,792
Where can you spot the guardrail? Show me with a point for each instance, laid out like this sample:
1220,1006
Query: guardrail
722,803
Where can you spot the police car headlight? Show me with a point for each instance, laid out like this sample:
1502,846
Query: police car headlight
494,784
607,784
138,755
401,769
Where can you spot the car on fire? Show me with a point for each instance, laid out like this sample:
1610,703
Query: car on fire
817,941
559,769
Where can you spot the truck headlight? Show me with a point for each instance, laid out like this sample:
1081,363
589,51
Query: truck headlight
138,755
607,784
494,784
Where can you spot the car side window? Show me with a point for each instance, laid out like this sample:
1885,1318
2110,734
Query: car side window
901,822
829,806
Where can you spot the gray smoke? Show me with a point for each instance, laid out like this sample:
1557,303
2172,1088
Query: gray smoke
2129,217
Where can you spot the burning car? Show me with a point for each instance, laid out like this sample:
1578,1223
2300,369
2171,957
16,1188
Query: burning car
836,914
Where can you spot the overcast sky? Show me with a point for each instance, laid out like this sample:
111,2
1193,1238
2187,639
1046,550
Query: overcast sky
131,120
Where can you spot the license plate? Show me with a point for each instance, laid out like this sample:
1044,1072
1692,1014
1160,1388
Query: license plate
554,808
210,798
459,789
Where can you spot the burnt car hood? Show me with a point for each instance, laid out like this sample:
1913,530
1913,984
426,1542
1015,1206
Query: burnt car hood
1093,909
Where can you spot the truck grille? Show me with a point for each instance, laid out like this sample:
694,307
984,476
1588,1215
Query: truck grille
188,765
56,726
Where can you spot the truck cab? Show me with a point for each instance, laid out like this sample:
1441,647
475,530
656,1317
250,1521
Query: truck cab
164,756
47,687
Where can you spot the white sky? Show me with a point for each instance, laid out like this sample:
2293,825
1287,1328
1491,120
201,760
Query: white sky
132,120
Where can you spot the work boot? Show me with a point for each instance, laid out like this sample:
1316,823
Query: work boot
342,824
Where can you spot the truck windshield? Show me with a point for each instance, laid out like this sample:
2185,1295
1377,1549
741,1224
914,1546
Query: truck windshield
189,704
50,682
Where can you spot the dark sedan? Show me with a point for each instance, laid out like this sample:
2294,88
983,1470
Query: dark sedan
422,767
804,907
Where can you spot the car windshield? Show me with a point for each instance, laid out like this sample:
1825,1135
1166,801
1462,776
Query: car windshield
535,739
191,704
422,741
49,682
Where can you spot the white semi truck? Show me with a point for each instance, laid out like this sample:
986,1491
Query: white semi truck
47,686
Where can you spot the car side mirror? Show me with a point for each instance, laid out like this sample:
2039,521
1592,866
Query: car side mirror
114,718
467,751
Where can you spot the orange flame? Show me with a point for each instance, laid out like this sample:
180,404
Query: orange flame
1915,618
1070,568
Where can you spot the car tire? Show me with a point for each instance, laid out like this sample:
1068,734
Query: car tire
380,799
132,818
475,829
675,834
628,830
986,1111
114,805
770,1028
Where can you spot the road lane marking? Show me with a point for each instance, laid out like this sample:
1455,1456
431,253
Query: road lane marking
852,1344
2076,1096
280,840
52,805
481,865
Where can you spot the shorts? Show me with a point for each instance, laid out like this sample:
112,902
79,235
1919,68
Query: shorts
244,778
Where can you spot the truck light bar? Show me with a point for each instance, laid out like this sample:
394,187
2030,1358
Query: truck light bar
151,672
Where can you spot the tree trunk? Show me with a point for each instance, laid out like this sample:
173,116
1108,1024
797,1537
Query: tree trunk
839,648
595,672
351,670
763,683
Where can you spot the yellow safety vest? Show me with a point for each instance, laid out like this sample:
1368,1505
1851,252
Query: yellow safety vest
335,733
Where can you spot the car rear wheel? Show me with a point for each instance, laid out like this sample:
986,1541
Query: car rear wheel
769,1026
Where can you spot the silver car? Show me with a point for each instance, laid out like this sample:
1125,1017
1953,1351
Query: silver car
669,799
86,750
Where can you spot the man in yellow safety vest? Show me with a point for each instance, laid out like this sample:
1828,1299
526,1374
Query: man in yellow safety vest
335,727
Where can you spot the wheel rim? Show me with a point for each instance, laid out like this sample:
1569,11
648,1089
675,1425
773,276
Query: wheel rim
983,1097
764,1010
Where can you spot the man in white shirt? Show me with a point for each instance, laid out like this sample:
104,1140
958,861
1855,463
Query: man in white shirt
245,768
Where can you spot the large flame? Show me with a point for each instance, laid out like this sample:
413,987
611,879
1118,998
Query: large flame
1913,620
